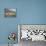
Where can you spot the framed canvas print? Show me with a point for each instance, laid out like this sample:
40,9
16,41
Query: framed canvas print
9,12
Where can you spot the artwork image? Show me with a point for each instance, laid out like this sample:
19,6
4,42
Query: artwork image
9,12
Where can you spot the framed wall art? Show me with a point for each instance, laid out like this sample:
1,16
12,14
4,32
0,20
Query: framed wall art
9,12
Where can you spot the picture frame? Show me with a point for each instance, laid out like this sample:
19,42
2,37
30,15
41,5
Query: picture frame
9,12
